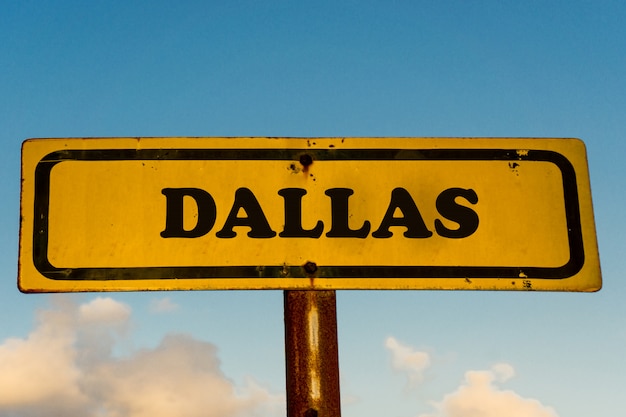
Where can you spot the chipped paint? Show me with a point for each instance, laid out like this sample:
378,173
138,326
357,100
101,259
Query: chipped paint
295,169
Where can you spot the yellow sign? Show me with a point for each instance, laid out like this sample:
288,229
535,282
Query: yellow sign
127,214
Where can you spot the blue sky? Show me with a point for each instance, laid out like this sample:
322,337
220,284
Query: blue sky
367,68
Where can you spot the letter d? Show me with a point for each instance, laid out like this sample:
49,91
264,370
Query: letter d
174,222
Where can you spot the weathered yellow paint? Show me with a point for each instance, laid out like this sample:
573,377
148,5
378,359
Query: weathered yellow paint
96,222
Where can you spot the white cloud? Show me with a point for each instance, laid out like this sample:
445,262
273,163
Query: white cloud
163,305
408,360
65,368
479,396
180,377
502,372
105,311
42,368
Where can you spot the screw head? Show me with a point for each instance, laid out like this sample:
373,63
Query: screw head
306,160
310,267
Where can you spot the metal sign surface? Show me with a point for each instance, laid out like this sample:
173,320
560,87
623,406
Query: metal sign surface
123,214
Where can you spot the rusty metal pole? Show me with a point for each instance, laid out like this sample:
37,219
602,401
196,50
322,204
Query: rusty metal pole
311,353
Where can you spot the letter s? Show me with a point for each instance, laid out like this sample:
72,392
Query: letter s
464,216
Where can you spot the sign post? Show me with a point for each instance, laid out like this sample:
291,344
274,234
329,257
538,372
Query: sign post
308,216
311,354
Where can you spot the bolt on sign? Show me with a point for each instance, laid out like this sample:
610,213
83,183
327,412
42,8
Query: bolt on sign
123,214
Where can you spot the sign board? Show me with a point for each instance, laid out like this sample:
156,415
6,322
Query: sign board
123,214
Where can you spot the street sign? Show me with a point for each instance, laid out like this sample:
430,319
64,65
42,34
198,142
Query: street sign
124,214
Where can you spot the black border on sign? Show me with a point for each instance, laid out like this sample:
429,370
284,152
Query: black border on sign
42,196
